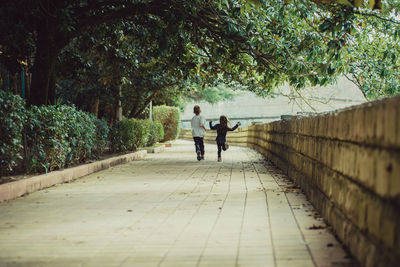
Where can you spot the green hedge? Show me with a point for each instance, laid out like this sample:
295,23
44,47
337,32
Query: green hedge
102,137
54,136
60,136
126,135
130,134
46,135
156,133
170,120
12,117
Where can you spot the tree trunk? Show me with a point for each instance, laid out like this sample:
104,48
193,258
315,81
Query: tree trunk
135,106
149,99
95,106
43,83
118,106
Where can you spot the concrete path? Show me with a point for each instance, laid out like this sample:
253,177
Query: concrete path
170,210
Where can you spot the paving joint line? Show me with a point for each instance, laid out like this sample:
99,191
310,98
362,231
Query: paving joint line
243,215
269,215
297,223
193,215
216,220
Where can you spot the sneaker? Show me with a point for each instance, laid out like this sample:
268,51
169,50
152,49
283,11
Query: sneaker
198,155
219,159
202,157
226,146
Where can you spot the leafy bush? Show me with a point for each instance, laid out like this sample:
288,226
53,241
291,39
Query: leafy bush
127,135
56,136
102,133
170,120
46,134
156,133
160,130
59,136
81,133
147,134
12,117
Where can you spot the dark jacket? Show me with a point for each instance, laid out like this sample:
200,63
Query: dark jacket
221,132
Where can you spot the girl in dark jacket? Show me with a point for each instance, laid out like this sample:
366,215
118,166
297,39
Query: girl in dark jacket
222,128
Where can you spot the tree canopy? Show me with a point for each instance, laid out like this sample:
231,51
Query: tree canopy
142,49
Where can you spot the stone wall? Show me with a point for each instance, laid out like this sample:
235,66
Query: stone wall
348,164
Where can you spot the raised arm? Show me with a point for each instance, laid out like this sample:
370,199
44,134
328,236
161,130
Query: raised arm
234,127
212,127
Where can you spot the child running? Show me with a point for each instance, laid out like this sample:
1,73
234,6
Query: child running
198,132
222,128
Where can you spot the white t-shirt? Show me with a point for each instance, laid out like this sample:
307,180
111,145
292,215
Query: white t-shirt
197,122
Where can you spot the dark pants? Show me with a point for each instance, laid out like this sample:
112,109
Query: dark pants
221,146
199,144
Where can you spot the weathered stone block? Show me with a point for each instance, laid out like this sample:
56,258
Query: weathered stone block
5,191
336,153
384,170
32,184
394,182
370,118
366,166
391,118
388,229
373,217
359,125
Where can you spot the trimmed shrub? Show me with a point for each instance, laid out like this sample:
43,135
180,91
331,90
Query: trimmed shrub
46,135
81,133
59,136
12,117
147,134
160,130
126,135
56,136
170,120
102,134
156,133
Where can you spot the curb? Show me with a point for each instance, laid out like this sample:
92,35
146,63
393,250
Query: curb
19,188
158,149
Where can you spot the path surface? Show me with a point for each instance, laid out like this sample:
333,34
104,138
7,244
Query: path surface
170,210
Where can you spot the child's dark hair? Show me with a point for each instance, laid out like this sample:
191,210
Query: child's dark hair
223,121
196,110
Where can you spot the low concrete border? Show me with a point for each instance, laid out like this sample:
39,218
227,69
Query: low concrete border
19,188
158,149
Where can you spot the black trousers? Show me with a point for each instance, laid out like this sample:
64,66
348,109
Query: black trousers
199,144
221,146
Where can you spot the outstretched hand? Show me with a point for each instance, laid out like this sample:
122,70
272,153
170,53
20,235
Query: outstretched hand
238,124
210,120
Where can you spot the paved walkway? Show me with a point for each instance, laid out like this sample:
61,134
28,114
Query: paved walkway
170,210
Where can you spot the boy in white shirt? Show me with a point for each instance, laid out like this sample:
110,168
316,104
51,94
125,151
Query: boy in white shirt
198,132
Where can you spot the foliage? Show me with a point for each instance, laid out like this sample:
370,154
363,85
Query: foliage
156,133
47,143
12,117
153,46
127,135
81,133
170,120
146,124
59,136
372,60
56,136
211,94
102,136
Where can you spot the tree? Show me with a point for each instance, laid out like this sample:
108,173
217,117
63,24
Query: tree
257,43
372,62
